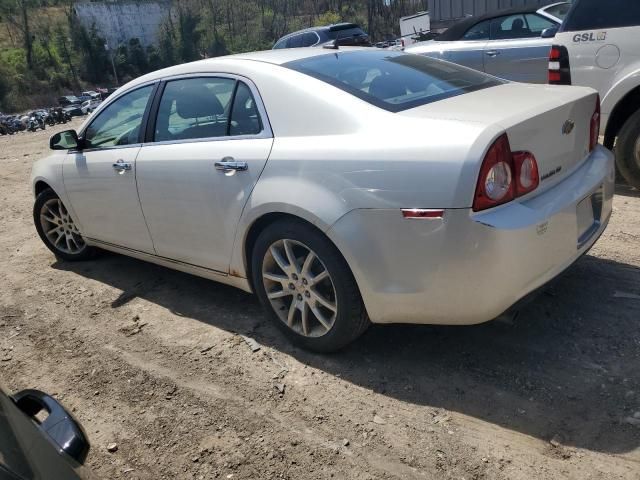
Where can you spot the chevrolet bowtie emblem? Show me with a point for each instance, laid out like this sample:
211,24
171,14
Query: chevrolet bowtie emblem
568,127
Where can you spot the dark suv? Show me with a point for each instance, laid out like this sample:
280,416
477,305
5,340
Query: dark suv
347,34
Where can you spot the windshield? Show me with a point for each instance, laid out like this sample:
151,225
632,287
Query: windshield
394,81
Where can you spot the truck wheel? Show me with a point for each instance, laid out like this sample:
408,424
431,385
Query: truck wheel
628,150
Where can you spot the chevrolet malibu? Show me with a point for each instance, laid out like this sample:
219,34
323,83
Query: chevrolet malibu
343,186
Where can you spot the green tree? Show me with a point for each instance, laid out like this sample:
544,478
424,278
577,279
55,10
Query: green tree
94,56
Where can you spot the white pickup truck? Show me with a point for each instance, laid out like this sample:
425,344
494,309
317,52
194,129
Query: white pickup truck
598,46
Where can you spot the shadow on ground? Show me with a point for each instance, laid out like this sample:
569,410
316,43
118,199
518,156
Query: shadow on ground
626,191
567,366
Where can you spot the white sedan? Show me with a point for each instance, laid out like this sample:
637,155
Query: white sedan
343,187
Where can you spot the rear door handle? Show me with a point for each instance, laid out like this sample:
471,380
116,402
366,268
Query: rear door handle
228,164
493,53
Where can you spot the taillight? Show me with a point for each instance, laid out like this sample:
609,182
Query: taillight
559,67
527,177
595,126
504,175
495,184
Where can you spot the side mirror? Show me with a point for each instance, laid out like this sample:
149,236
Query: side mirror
63,430
549,32
65,140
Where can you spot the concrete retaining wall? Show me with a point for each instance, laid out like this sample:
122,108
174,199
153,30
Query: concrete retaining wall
119,21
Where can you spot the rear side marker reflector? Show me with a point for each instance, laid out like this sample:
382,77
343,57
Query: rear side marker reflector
595,126
422,213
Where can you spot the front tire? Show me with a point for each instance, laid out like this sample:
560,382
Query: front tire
306,287
627,150
57,229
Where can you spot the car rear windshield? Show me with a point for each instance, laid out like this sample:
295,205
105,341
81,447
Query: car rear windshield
597,14
346,33
394,81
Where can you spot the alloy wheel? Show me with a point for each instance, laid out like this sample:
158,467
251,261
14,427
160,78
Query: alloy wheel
299,288
59,228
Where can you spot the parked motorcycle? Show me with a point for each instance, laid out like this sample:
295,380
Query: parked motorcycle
57,115
17,124
4,127
35,121
10,125
51,120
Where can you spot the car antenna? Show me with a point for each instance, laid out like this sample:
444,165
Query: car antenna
333,45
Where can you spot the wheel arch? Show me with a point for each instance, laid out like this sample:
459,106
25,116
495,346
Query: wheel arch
40,186
624,108
260,223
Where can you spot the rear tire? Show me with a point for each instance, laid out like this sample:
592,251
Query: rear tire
627,150
313,299
57,230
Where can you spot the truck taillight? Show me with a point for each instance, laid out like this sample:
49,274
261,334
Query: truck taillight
595,126
504,175
559,66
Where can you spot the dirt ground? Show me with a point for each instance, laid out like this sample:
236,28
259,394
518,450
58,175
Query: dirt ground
154,361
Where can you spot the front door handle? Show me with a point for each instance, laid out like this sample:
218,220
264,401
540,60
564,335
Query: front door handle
228,164
120,166
493,53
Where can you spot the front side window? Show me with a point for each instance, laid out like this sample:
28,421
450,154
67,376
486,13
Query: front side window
480,31
510,27
206,107
119,123
394,81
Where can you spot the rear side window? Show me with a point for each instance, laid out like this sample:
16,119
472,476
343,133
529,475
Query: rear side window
245,119
394,81
598,14
295,42
559,11
198,108
309,39
538,24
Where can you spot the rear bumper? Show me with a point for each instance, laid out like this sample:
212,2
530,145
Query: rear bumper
468,268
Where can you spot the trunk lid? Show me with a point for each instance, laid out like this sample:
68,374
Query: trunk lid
551,122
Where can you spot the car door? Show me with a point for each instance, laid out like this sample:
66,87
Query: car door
208,146
469,51
516,50
100,178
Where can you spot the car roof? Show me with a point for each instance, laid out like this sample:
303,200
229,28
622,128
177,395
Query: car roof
457,30
223,63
